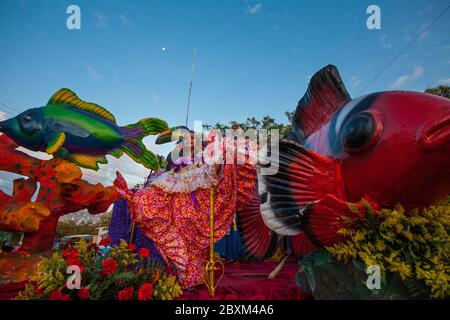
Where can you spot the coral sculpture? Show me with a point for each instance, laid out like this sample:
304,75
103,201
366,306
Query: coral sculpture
61,191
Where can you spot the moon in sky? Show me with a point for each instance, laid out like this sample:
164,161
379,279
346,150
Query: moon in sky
163,49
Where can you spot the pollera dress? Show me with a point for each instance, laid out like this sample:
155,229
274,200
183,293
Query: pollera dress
174,211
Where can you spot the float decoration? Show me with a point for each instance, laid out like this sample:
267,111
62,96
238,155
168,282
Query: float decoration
122,273
61,191
121,227
384,149
410,248
179,222
346,162
82,132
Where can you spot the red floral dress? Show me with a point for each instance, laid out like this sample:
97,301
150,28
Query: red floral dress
178,222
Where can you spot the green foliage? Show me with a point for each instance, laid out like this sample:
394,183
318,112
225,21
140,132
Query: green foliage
266,122
443,91
50,273
414,245
167,288
130,270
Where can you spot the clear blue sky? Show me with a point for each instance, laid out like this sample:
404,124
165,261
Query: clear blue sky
254,58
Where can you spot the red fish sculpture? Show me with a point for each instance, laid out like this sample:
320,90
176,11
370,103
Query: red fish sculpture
387,148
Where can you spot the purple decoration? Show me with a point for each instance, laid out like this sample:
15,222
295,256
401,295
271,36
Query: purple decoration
120,228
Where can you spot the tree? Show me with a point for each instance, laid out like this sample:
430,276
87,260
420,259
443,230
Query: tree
442,90
266,122
69,228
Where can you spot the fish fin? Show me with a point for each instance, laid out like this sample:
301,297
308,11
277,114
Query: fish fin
55,142
133,145
117,153
87,161
303,177
144,127
301,245
171,134
325,95
323,219
67,98
258,242
137,151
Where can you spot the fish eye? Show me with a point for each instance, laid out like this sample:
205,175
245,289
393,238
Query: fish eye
28,117
360,132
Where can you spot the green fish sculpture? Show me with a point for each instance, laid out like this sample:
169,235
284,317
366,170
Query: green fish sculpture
81,132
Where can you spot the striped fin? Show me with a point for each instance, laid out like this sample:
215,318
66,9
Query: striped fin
116,153
67,98
326,95
87,161
303,178
55,143
136,150
258,241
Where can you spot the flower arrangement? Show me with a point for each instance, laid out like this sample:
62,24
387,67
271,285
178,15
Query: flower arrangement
107,273
414,246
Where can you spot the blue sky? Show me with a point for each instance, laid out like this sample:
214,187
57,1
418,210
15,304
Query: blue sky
254,58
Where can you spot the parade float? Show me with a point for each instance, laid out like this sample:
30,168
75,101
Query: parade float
365,181
77,134
361,185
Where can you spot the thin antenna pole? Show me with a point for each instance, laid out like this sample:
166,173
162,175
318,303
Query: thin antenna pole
190,87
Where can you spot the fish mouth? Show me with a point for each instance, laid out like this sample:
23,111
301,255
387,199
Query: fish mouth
436,134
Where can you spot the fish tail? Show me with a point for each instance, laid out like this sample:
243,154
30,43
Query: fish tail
136,150
144,127
133,135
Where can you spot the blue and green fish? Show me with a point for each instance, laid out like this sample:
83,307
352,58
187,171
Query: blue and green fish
81,132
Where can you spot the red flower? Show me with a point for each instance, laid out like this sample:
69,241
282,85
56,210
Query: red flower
144,253
58,295
84,293
109,266
70,253
132,247
145,292
72,258
75,262
126,294
105,242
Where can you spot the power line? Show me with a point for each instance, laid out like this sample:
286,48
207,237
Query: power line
403,50
9,107
7,112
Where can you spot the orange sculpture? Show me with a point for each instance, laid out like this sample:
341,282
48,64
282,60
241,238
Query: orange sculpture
61,191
